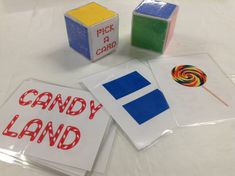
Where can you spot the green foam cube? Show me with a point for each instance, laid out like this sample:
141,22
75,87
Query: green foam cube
153,24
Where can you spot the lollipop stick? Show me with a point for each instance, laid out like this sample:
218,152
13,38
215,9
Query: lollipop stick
218,98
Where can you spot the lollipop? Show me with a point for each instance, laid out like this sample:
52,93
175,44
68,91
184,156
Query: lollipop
190,76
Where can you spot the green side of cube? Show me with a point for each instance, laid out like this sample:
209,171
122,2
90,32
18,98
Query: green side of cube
149,33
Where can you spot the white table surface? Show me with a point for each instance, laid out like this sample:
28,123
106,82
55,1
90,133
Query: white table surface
33,43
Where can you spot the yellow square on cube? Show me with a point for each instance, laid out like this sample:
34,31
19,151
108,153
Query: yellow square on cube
91,14
92,30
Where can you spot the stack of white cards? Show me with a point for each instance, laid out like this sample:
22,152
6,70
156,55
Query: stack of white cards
61,128
67,130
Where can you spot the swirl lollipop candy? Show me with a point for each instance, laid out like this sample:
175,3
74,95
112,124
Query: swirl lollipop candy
191,76
188,75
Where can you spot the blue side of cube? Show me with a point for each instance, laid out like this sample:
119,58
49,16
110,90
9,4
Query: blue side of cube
78,37
147,106
156,8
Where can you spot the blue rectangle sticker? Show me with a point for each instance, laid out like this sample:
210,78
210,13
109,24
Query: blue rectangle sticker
125,85
147,106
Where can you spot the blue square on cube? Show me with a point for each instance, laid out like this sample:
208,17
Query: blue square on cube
147,106
156,8
126,85
78,37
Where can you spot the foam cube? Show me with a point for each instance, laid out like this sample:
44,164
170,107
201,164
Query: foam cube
153,23
92,30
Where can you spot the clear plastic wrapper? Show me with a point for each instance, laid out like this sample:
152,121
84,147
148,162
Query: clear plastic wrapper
17,162
57,128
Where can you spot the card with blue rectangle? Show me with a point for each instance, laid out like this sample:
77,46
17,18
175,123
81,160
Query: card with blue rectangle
156,8
126,85
147,106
